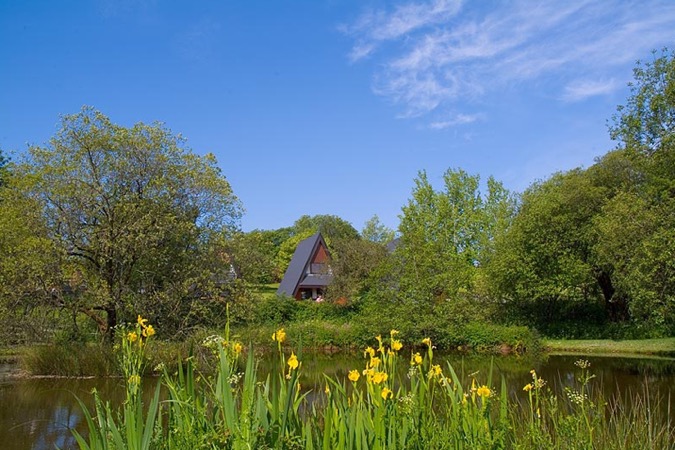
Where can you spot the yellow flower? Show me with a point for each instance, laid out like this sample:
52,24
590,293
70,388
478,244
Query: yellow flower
148,331
132,336
134,379
141,321
353,375
386,393
484,391
380,347
396,345
293,361
238,347
279,335
527,387
380,377
393,333
369,351
327,390
427,341
435,371
416,359
374,362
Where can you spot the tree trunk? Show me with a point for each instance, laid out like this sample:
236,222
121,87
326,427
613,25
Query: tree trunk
615,305
111,322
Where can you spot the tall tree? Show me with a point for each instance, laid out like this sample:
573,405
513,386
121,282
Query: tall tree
446,234
547,252
604,234
332,228
253,256
642,219
646,122
135,211
376,231
352,270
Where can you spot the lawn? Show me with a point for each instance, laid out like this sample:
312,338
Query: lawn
663,347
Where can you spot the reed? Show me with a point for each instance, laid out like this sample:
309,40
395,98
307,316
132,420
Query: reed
373,408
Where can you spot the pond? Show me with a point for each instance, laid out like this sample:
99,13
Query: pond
39,413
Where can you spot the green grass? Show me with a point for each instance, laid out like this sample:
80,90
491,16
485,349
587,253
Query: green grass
662,347
267,290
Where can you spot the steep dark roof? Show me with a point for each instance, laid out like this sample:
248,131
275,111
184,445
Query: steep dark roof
296,269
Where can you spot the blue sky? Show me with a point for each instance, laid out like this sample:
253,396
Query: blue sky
332,107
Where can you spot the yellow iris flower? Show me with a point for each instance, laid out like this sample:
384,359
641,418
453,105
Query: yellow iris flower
386,393
435,371
396,345
293,362
279,335
484,391
354,375
380,377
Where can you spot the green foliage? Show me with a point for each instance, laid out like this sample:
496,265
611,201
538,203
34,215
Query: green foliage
135,216
446,236
253,255
602,236
375,408
70,360
4,161
647,121
353,266
546,253
377,232
332,228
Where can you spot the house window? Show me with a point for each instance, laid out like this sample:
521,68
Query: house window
317,268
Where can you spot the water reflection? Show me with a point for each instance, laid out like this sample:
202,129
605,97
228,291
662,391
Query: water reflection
40,413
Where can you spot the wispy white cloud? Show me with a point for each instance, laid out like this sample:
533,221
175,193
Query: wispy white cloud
438,54
375,27
583,89
459,119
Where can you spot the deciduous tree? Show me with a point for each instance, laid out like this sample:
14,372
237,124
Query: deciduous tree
446,235
376,231
138,215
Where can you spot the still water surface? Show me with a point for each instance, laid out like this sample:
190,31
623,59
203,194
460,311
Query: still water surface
39,413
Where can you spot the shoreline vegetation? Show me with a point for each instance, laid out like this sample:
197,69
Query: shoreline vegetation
430,407
98,360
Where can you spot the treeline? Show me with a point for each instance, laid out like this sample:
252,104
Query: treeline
106,222
584,253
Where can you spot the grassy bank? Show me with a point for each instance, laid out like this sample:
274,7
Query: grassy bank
661,347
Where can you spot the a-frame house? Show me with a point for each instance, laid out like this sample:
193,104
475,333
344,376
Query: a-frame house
309,272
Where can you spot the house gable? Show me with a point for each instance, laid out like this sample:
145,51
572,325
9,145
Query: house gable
309,270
